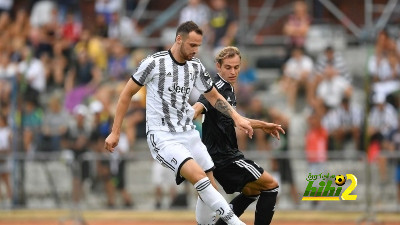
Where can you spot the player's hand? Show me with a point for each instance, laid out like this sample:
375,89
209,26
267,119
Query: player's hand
244,125
273,129
111,142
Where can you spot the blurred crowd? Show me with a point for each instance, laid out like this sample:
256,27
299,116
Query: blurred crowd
62,80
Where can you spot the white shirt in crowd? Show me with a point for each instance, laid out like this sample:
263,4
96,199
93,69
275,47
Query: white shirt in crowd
6,4
331,91
34,73
107,6
380,69
294,67
42,13
124,30
5,134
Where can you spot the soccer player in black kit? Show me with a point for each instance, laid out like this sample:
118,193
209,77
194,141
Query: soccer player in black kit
233,171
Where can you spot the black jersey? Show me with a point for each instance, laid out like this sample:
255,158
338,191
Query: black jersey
219,133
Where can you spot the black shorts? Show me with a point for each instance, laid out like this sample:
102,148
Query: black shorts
237,174
285,170
81,170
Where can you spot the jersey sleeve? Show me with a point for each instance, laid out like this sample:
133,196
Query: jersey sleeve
203,81
144,73
202,100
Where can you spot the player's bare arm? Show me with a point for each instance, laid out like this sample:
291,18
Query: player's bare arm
129,90
219,103
198,109
269,128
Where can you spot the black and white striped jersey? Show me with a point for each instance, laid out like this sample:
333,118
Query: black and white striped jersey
338,63
168,85
383,119
219,135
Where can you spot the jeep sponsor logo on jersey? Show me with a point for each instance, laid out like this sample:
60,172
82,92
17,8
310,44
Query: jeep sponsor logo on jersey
178,89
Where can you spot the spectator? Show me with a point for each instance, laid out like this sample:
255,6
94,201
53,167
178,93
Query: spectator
333,88
31,123
135,118
5,21
347,121
255,111
101,127
43,13
382,121
282,164
392,144
8,71
296,74
316,144
85,73
71,29
78,141
118,165
101,26
67,7
5,157
6,5
247,82
162,179
124,29
107,8
118,63
21,26
197,12
54,126
59,69
33,71
94,47
223,24
316,147
331,57
382,118
385,71
298,24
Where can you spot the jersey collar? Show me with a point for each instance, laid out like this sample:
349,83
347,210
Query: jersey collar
222,78
172,57
226,81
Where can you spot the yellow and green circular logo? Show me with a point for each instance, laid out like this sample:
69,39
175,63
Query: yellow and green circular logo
340,180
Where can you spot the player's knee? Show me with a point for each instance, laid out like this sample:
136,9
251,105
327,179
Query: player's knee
269,183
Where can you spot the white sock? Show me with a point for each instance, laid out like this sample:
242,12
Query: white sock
204,214
213,199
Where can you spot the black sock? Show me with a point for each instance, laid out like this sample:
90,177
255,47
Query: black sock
265,207
239,204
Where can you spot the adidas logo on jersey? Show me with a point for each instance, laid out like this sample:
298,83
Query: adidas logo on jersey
178,89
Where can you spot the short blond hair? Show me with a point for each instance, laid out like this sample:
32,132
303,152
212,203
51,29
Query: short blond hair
227,52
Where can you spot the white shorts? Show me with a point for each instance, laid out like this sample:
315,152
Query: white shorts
173,149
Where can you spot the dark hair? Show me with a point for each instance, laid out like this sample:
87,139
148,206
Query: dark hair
187,27
329,49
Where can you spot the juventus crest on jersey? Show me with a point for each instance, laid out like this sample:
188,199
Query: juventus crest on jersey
168,86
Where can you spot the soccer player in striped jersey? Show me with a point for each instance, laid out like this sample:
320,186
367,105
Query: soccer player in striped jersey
232,170
169,77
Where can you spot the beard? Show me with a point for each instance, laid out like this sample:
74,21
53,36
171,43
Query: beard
185,55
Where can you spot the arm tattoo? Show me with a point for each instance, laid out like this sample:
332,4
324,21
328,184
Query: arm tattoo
223,107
